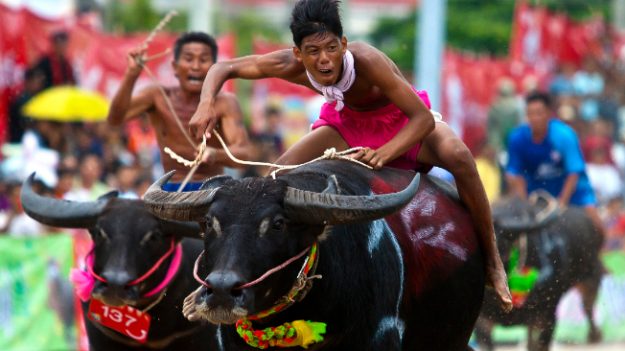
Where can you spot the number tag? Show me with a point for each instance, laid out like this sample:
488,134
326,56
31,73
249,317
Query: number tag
125,319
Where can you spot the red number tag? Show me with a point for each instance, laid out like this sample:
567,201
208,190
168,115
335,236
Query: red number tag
125,319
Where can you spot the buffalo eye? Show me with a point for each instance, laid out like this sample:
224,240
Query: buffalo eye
152,236
278,223
98,234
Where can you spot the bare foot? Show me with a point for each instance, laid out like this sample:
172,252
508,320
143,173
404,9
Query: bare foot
188,306
496,278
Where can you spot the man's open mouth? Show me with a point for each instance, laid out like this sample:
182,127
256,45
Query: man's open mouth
195,80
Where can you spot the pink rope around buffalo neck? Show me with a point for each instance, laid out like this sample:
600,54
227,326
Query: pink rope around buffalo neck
171,271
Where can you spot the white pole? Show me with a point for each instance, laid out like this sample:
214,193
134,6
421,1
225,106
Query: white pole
201,14
618,7
429,45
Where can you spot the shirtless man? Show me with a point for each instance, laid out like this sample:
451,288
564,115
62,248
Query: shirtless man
370,104
194,54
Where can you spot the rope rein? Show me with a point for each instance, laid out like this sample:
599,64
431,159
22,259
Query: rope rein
329,154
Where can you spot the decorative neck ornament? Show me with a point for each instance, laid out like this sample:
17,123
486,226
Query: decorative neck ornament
84,280
335,92
297,333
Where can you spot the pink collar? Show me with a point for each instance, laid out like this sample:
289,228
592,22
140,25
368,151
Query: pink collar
85,280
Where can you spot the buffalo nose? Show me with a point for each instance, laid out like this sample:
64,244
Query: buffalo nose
116,279
224,283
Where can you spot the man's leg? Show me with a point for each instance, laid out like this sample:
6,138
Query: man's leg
312,145
442,148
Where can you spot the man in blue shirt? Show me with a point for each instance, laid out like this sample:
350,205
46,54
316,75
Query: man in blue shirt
545,154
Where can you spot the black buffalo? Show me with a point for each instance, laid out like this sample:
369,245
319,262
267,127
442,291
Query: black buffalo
128,241
564,247
400,270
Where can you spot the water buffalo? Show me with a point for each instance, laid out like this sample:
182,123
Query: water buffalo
396,270
130,244
564,248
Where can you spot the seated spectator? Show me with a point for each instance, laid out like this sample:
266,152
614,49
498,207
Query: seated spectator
89,186
614,221
65,182
126,178
588,84
562,83
272,134
604,177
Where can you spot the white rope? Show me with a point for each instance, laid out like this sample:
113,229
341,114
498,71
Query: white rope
329,154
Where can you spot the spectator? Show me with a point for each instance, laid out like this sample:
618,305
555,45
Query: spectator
604,177
126,177
65,182
33,83
489,171
588,84
272,134
504,115
16,222
562,83
614,222
88,186
56,66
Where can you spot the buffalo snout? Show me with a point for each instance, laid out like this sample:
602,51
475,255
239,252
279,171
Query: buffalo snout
224,287
116,291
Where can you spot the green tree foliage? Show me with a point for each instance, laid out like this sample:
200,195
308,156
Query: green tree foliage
139,16
482,26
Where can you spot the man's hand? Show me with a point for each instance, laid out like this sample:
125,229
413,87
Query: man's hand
369,156
135,59
204,120
209,156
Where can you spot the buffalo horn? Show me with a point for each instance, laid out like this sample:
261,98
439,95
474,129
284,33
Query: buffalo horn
182,206
326,208
59,213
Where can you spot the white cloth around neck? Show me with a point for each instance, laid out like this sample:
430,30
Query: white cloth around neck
335,92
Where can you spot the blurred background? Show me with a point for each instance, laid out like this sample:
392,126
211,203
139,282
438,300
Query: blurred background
476,58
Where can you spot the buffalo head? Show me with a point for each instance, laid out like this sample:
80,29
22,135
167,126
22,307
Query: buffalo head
513,216
254,225
128,239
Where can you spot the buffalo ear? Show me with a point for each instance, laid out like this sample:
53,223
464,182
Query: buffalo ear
181,229
110,195
333,186
215,182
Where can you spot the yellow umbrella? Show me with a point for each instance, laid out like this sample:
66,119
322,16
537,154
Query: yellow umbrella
67,104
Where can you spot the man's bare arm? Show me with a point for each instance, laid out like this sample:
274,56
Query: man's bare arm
381,72
517,185
232,130
124,106
570,183
278,64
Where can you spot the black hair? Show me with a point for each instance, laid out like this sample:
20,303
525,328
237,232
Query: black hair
195,37
538,96
273,110
315,17
32,72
